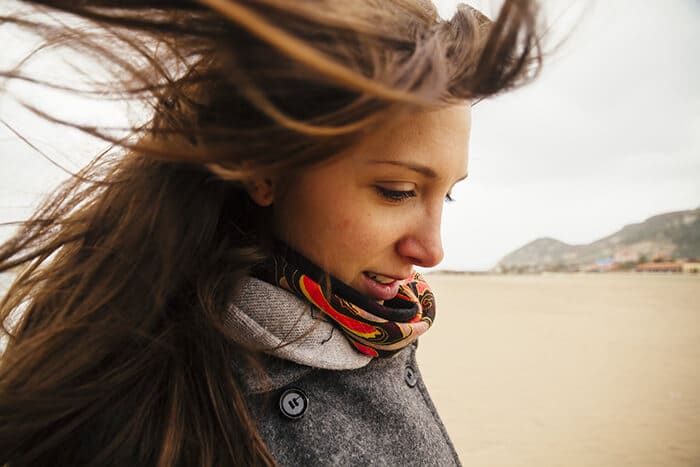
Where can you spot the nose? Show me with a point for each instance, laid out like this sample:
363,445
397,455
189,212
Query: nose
422,246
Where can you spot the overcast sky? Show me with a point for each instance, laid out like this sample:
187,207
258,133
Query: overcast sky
608,135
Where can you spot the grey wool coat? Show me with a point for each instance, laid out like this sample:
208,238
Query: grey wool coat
322,402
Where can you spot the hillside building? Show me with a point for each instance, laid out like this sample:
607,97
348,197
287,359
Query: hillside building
666,266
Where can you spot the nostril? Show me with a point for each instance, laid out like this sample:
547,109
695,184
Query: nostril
415,261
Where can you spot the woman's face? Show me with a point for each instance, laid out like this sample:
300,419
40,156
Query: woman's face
371,214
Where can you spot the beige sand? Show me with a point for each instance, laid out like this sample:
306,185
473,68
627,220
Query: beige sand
567,370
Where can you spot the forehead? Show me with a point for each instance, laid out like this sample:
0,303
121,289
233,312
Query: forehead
448,121
434,137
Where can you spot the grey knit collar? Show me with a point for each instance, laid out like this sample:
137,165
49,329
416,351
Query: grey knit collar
267,318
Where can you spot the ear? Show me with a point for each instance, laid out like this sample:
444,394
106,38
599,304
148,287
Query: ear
261,191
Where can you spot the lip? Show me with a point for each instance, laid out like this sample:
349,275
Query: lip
380,291
397,277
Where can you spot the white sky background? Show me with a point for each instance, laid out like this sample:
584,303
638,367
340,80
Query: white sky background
608,135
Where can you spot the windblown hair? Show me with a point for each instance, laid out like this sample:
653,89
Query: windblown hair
117,353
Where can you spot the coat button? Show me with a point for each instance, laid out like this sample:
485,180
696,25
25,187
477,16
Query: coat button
411,376
293,403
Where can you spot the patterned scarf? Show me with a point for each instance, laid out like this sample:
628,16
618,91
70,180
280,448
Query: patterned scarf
377,330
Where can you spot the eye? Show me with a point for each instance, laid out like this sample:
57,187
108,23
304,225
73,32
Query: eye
449,198
395,196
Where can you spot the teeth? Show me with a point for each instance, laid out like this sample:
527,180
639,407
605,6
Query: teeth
381,279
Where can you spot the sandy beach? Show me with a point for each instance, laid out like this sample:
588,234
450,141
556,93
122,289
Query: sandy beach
567,370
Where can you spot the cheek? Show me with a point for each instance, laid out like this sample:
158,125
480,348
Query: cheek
320,226
349,234
362,232
341,228
298,208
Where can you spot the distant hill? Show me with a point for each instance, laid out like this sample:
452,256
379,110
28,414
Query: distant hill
671,235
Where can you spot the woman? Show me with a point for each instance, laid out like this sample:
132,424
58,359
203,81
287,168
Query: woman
236,286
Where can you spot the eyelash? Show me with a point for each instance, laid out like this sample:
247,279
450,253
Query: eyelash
397,196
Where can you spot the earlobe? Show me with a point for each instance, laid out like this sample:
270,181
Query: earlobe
261,191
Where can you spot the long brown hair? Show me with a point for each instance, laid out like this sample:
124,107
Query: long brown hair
117,353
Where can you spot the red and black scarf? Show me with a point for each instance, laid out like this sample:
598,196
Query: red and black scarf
375,329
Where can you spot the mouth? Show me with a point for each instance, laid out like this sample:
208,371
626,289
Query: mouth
379,286
380,278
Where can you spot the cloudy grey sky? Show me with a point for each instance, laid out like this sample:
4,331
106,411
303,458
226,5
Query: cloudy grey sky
608,135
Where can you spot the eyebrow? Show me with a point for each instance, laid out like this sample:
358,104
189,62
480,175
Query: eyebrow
421,169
